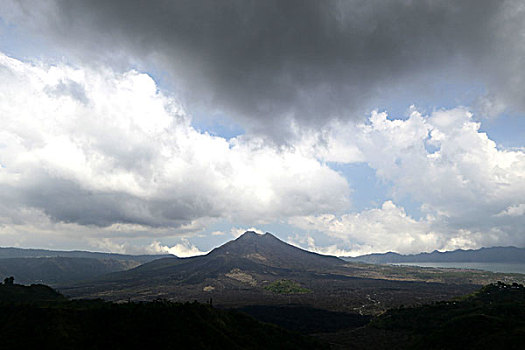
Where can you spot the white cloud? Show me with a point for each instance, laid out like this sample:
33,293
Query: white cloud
97,149
107,245
389,228
384,229
309,244
470,189
218,233
238,231
446,163
517,210
94,153
182,250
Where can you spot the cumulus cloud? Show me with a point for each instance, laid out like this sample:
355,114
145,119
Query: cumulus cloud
99,149
106,154
308,242
446,163
238,231
517,210
383,229
269,62
470,190
182,250
218,233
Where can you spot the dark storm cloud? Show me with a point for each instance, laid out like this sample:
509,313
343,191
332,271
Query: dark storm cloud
66,201
262,61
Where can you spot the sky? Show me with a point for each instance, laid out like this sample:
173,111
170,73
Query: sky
343,127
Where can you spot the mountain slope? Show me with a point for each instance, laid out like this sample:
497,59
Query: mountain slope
10,252
248,263
251,253
249,271
486,255
36,317
268,250
493,317
59,267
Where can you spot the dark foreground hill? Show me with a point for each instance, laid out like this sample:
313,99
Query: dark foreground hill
483,255
491,318
37,316
55,267
15,294
42,318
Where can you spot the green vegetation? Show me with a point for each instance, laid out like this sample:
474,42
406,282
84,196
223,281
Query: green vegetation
61,270
286,287
39,317
432,274
493,317
15,294
305,319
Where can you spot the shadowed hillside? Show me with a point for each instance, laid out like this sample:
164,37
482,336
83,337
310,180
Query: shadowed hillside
59,269
14,294
268,250
249,259
491,318
42,318
55,267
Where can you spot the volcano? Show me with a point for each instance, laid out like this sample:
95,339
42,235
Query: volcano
260,269
249,262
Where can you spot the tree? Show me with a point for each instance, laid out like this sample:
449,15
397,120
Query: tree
9,280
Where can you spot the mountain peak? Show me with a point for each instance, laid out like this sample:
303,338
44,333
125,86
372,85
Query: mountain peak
270,250
252,258
249,235
252,235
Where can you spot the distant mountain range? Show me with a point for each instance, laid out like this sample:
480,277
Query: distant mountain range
483,255
44,253
58,267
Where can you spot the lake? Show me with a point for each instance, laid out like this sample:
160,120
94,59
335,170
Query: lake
494,267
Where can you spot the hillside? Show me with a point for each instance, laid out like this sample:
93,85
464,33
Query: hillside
487,255
268,250
491,318
11,252
252,260
260,254
55,267
44,319
58,270
262,270
15,294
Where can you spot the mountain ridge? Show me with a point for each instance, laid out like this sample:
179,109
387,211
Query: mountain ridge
488,255
61,267
13,252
